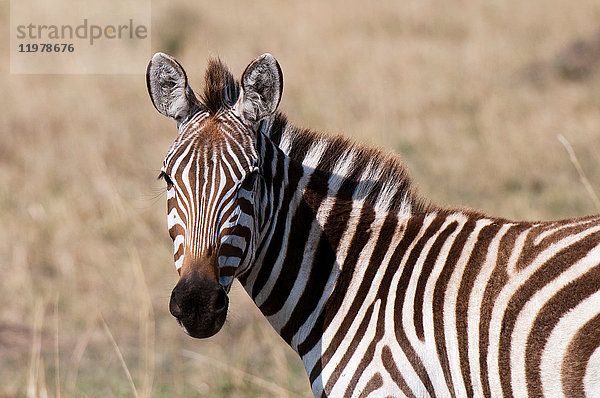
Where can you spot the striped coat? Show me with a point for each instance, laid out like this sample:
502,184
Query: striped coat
379,292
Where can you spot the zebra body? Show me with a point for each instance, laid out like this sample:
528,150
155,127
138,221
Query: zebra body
379,292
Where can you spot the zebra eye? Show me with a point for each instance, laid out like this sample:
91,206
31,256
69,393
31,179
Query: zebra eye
167,179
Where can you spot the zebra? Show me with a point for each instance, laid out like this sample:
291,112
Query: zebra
379,291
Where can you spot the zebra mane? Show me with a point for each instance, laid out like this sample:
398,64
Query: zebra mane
380,178
221,89
376,176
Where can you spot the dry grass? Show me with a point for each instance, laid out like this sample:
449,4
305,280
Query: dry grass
83,236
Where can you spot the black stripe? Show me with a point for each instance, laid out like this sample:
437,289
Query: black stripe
438,298
332,306
276,242
405,277
301,226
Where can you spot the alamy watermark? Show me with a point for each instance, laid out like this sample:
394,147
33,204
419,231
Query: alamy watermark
70,36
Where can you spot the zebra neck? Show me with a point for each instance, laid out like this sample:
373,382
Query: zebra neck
309,218
352,171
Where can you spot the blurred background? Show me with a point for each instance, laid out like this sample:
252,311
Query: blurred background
472,93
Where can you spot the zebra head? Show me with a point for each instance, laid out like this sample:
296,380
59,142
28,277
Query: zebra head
212,172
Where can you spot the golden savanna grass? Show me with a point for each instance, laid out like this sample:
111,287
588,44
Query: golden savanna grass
470,92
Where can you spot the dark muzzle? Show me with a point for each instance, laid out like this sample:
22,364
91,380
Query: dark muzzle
200,305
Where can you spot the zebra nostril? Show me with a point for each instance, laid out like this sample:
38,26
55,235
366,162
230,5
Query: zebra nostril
221,301
174,308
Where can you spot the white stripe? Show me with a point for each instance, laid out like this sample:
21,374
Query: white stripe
278,264
438,379
341,315
501,303
592,375
424,349
557,343
475,303
404,364
314,154
346,376
517,250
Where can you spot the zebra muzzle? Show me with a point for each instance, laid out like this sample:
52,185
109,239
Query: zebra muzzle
200,306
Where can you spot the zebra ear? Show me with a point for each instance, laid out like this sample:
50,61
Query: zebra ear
262,86
168,88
